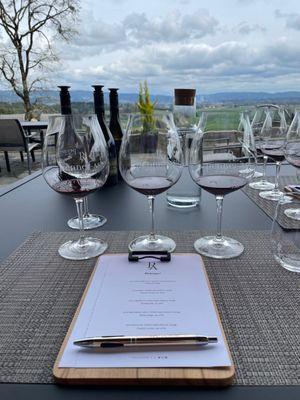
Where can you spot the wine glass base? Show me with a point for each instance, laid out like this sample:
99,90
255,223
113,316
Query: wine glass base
91,221
212,247
92,247
144,243
275,196
293,213
262,185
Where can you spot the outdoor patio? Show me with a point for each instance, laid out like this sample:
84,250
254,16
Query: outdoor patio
18,168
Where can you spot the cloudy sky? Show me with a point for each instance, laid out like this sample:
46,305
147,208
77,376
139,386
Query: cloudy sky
215,45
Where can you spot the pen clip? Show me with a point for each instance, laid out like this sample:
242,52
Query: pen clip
163,256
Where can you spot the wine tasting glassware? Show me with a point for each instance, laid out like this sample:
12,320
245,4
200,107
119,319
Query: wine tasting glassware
273,137
256,125
151,162
75,163
90,221
292,155
286,243
221,162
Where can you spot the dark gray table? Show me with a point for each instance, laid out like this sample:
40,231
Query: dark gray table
34,125
31,206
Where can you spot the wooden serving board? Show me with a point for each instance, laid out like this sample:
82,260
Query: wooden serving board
216,376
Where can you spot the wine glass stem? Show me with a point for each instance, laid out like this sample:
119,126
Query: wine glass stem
278,165
265,158
85,207
151,207
79,205
219,200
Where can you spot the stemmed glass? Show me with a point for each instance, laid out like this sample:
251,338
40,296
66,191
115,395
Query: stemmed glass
292,155
256,125
220,178
151,162
273,137
75,163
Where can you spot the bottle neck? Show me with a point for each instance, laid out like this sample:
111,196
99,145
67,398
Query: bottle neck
114,103
99,104
114,113
65,103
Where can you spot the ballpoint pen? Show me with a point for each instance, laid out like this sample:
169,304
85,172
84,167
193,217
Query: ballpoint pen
135,341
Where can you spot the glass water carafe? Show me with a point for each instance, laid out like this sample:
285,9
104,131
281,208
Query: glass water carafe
185,194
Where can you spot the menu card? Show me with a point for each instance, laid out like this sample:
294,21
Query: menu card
148,297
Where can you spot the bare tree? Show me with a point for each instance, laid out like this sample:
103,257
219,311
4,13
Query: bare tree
28,28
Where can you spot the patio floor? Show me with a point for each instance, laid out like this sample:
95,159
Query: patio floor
18,168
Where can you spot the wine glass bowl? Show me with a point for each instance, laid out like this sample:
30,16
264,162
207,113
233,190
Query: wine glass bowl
75,163
257,125
220,176
150,163
292,146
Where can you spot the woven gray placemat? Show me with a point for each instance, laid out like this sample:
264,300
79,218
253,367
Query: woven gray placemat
269,207
258,302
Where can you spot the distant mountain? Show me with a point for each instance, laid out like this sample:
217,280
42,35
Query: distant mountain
251,97
52,97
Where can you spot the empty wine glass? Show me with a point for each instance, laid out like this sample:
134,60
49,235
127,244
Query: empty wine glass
256,125
292,155
150,163
75,163
273,137
220,177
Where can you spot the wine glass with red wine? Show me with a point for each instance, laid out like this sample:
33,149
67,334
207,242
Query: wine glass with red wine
75,163
273,138
221,162
151,162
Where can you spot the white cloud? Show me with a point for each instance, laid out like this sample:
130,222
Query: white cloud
166,66
208,47
172,27
292,20
244,28
137,30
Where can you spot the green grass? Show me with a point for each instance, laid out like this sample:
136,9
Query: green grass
223,118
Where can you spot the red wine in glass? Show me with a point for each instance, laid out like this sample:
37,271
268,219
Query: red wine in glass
220,185
65,184
150,186
275,154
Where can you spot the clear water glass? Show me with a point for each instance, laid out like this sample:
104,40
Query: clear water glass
286,243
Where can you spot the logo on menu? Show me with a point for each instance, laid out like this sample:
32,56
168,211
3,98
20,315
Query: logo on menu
152,268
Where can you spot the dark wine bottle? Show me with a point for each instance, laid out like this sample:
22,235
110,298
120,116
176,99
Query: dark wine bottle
65,109
114,123
112,151
65,100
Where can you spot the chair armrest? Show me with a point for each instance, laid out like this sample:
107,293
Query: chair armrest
31,135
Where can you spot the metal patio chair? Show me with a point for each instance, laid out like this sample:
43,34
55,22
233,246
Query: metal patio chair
13,138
